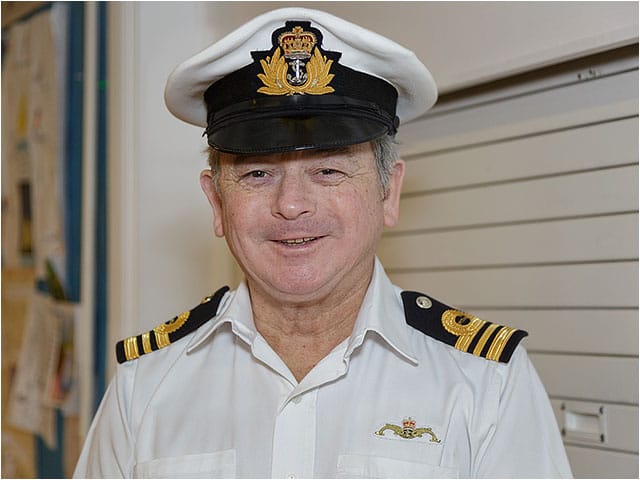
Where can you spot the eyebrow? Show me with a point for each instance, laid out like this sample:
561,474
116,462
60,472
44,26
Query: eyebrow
242,158
346,150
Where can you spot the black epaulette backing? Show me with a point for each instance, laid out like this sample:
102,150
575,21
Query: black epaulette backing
167,333
463,331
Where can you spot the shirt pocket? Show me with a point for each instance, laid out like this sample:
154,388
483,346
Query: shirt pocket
367,466
206,465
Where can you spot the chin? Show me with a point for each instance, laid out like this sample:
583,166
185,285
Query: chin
299,288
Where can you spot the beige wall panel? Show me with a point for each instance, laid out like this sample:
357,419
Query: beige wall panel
601,238
578,286
557,152
622,427
599,332
594,463
459,49
620,424
593,101
595,67
599,192
605,379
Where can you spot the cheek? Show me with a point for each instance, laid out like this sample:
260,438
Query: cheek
364,212
229,214
241,216
234,221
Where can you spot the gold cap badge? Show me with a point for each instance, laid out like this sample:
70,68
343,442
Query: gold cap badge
296,67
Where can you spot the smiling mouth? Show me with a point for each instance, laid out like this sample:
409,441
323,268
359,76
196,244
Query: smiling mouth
298,241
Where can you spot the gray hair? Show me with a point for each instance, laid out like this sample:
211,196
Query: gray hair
385,153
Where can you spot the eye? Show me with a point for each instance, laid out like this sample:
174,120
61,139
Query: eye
257,174
329,176
254,177
329,171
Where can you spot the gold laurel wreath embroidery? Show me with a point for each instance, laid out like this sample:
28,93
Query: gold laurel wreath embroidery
275,82
162,331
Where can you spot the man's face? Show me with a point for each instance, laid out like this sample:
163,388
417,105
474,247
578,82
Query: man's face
303,225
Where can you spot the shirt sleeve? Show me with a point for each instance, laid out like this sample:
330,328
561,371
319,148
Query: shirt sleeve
109,446
525,441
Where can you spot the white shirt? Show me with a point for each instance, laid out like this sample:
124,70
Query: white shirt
220,403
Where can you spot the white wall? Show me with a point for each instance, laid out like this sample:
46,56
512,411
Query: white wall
162,258
162,255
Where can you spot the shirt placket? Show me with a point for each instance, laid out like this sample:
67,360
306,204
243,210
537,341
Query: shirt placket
295,429
294,437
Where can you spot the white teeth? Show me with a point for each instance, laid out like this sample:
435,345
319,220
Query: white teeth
298,241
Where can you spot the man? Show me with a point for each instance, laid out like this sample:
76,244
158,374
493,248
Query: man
316,365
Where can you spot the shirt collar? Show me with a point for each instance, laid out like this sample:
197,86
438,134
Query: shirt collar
381,312
235,308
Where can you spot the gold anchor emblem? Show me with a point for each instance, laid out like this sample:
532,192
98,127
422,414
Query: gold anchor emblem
408,430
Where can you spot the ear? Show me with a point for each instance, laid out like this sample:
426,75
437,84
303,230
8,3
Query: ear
392,200
209,189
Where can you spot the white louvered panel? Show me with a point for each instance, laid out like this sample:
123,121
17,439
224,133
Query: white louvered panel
599,332
609,63
581,148
607,191
582,239
588,377
595,463
577,286
587,102
523,211
619,422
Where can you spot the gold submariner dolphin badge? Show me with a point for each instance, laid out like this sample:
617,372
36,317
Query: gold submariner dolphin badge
408,430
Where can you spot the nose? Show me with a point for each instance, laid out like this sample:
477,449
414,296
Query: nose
293,198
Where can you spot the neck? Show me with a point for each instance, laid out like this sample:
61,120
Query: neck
303,334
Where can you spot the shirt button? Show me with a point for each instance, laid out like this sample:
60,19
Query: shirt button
297,401
291,475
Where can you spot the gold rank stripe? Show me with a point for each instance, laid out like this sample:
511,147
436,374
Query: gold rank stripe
146,342
483,339
164,334
131,348
499,343
161,333
162,338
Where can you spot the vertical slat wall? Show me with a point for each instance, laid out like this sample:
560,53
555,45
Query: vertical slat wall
521,205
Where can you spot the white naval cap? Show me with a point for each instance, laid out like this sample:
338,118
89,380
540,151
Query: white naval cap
296,78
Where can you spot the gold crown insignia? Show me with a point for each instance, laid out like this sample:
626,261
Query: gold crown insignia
297,43
408,423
